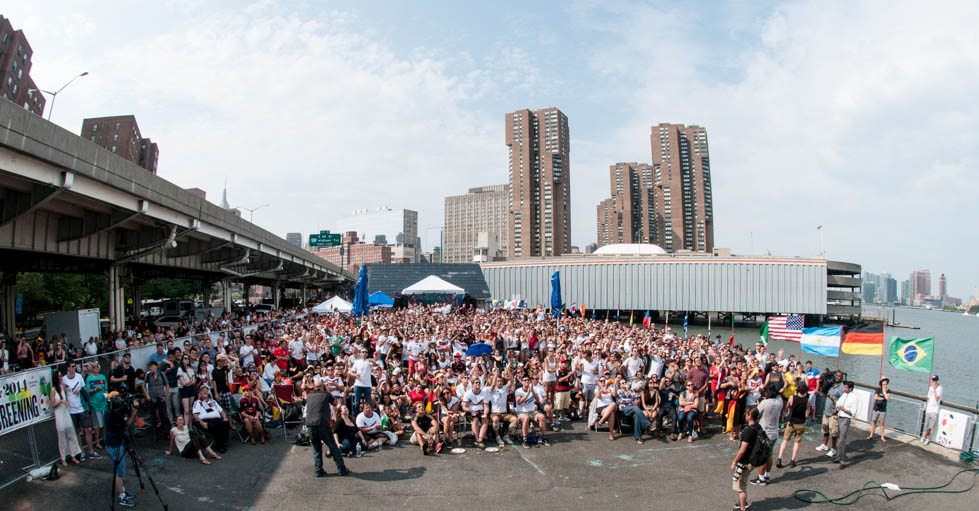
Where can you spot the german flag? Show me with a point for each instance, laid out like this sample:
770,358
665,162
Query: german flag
864,339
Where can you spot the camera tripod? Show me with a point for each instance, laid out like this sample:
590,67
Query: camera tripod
138,467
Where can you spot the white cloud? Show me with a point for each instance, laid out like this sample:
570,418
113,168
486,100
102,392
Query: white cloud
855,116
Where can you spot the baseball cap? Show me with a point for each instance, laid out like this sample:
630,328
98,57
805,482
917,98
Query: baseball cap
934,377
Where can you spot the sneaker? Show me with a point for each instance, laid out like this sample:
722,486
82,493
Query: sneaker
792,463
358,451
694,435
82,457
526,444
438,448
927,441
480,445
126,501
831,453
499,441
95,456
779,464
758,481
822,447
737,506
508,440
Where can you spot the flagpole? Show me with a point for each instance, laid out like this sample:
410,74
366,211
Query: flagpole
884,324
839,353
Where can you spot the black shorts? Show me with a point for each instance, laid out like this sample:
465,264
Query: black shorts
81,420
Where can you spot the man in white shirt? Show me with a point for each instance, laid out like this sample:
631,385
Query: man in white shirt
73,385
247,353
526,404
934,405
296,349
588,367
210,416
475,402
91,347
633,365
846,408
361,372
369,424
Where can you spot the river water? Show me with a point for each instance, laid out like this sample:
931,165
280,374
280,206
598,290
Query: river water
956,358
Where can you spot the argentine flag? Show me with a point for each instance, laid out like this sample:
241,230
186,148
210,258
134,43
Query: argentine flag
823,341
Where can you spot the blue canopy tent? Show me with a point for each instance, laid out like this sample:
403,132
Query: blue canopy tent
360,294
379,299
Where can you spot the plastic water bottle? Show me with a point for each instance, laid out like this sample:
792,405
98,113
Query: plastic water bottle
38,473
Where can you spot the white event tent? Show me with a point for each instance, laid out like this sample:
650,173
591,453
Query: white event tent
334,304
433,285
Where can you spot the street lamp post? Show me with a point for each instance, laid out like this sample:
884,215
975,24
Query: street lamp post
54,95
251,212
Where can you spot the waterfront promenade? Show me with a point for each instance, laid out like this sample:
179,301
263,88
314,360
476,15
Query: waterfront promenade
582,470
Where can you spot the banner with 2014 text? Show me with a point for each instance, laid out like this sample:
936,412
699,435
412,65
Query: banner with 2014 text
25,399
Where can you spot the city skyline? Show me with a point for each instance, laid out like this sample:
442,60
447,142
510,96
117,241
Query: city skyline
408,99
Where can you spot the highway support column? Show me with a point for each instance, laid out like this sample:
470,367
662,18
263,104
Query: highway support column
8,312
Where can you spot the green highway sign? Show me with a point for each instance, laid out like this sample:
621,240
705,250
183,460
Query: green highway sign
324,239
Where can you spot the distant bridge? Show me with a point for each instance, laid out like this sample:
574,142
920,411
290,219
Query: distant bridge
68,205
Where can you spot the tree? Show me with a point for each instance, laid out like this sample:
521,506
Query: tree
169,288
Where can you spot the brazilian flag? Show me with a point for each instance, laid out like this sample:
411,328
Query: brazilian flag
912,354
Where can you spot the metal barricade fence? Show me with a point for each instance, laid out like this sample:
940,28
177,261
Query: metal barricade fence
36,445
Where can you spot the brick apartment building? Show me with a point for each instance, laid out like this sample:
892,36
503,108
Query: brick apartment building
120,134
15,69
355,253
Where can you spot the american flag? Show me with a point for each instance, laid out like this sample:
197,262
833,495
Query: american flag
787,328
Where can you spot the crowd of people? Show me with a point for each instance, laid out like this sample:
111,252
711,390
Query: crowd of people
432,376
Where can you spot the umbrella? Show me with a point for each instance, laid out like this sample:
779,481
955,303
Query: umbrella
360,293
556,304
479,349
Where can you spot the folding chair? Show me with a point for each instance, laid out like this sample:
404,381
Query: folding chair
282,395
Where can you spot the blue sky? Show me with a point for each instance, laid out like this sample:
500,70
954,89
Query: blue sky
858,116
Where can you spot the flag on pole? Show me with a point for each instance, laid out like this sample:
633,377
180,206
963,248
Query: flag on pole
593,314
786,328
686,315
631,313
607,314
617,311
708,326
763,337
912,354
823,341
583,310
864,339
646,320
731,340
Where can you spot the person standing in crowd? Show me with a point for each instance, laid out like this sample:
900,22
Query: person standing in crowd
741,466
67,439
846,408
360,371
832,389
798,406
770,410
932,408
319,414
117,423
812,377
77,395
881,396
96,385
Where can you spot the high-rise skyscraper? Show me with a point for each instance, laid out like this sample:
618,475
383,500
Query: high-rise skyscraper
397,227
483,209
630,215
681,173
942,286
15,69
920,284
540,182
120,134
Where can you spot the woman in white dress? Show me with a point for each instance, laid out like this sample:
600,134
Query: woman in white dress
67,439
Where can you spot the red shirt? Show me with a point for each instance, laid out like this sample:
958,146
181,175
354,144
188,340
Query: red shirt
281,352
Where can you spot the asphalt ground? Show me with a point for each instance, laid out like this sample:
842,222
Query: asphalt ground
580,470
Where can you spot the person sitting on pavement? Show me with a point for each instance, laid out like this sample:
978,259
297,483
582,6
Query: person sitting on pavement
369,424
526,406
189,444
474,403
425,431
251,409
626,400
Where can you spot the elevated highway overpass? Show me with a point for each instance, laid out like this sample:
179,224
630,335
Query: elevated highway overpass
68,205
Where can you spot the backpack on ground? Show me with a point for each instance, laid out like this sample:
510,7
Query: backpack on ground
762,450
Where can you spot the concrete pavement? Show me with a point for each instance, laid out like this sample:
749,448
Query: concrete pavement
581,470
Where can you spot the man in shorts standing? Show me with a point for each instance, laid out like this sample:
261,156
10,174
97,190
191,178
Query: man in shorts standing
798,407
562,389
831,425
770,410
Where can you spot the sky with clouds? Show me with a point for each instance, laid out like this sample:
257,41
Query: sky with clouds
858,116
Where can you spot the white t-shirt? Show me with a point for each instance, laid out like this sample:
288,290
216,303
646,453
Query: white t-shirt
247,355
372,422
633,367
209,409
335,381
73,387
413,349
296,349
530,404
91,348
656,364
476,401
498,401
934,399
362,368
589,371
